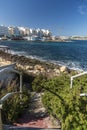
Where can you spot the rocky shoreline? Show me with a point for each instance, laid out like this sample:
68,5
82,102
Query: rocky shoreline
32,66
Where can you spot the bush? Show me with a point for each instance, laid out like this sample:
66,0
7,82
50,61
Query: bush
66,104
14,106
38,83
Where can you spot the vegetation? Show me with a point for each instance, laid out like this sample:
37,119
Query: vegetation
61,102
14,106
64,103
38,83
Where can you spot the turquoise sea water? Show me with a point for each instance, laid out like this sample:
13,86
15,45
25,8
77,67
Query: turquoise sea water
72,54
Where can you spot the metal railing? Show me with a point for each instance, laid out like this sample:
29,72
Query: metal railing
75,76
9,68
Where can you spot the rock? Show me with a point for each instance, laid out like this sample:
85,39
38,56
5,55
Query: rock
42,70
19,66
27,67
63,69
1,59
31,68
57,71
36,72
39,67
30,71
49,70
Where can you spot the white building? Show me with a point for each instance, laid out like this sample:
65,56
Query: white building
14,31
4,30
46,33
24,32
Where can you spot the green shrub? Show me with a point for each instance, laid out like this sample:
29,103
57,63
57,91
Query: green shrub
14,106
38,83
65,103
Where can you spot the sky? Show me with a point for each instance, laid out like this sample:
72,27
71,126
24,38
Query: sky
61,17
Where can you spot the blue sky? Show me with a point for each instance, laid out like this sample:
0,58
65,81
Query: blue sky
62,17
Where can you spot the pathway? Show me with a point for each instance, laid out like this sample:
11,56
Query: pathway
36,117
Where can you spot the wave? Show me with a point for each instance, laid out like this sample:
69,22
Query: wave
71,65
18,52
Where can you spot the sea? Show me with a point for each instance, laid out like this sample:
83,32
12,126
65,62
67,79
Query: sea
72,54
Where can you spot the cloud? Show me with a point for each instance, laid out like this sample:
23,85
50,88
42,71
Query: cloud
83,9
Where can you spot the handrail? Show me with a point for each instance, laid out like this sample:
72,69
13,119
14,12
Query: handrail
75,76
8,95
10,68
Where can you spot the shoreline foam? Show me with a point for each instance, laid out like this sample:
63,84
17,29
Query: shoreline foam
70,65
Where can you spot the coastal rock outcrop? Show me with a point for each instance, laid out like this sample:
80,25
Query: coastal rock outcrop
63,69
56,71
39,67
33,66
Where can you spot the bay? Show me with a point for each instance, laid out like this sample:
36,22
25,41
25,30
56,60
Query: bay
72,54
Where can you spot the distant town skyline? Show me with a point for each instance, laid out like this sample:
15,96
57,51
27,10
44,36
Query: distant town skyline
61,17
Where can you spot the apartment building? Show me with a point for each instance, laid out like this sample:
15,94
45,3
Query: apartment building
4,30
